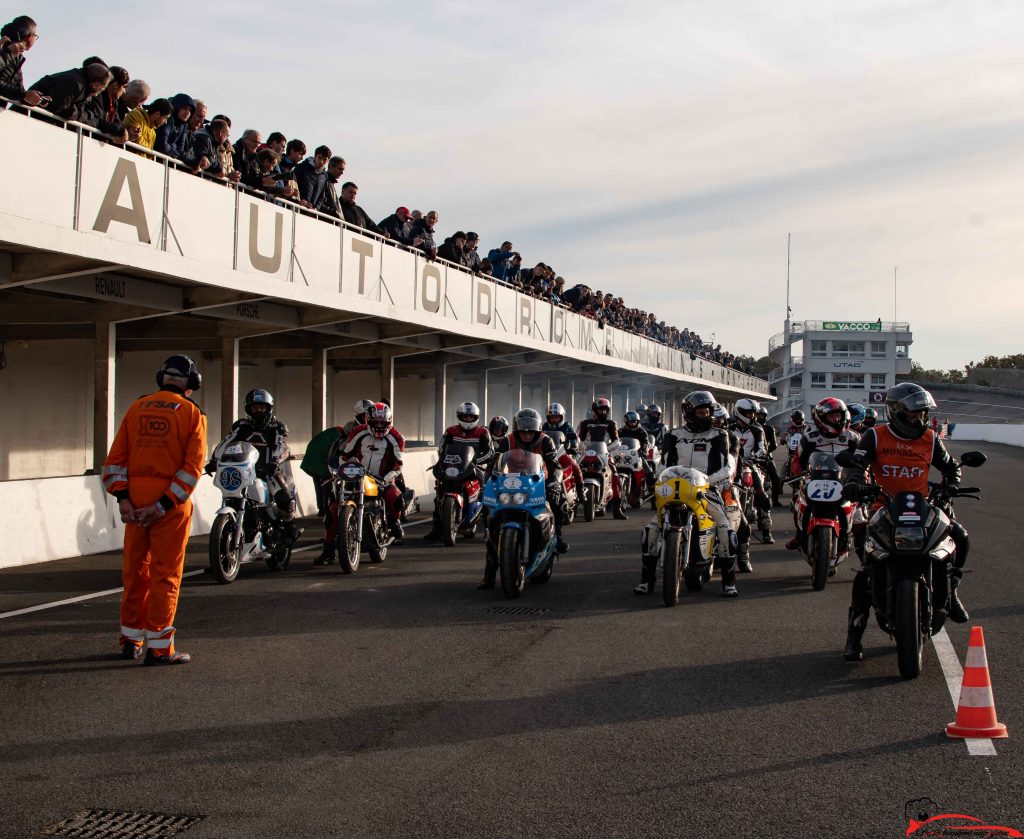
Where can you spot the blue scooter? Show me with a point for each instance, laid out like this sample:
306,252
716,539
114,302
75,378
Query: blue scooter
520,525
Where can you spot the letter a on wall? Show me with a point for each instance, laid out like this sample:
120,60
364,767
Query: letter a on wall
134,213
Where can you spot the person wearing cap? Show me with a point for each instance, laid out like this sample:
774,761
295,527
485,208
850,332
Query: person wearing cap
398,226
472,259
151,469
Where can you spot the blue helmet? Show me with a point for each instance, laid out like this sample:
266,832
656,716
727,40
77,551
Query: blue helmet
857,414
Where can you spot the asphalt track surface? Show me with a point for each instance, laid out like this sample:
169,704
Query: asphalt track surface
396,702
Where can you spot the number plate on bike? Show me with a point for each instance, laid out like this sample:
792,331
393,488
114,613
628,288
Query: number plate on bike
824,490
353,471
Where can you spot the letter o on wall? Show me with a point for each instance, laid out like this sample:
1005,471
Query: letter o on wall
431,291
558,326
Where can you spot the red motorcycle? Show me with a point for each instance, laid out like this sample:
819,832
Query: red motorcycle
570,485
629,464
597,479
458,486
820,501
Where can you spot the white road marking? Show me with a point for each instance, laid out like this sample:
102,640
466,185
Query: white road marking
954,674
109,591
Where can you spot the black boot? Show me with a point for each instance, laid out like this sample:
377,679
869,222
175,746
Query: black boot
957,612
854,633
617,510
743,559
766,536
490,572
434,534
327,556
560,544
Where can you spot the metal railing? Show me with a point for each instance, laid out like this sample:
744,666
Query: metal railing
675,360
791,368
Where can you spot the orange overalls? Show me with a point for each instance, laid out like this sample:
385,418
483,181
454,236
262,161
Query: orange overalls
157,456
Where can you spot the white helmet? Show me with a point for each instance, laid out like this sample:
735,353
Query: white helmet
745,411
468,415
361,407
555,409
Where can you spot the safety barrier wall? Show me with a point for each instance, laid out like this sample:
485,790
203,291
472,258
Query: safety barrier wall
69,181
64,517
1010,435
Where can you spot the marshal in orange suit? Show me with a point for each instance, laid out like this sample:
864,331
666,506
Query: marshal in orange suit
152,468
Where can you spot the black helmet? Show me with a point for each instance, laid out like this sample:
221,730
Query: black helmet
870,418
904,399
526,420
259,405
693,401
498,427
654,413
797,418
181,367
640,408
631,420
762,415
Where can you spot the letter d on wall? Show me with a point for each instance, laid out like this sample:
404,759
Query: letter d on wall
484,302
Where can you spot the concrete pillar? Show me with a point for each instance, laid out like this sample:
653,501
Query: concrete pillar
228,384
387,376
519,394
440,399
318,404
547,392
104,374
481,394
571,407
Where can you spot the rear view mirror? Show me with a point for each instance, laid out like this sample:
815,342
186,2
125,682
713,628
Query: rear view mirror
973,459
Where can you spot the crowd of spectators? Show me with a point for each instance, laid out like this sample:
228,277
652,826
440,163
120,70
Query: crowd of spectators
106,98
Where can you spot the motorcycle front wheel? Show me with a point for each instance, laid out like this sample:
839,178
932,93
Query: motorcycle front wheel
348,541
512,572
449,520
224,562
672,570
909,639
588,504
377,538
821,556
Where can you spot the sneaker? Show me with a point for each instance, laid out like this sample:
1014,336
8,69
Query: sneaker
643,588
793,543
130,651
730,591
154,660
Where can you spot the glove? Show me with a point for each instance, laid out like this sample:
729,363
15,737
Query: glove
952,490
210,467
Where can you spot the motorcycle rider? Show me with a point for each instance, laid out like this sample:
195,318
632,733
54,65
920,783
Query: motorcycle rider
556,421
498,428
771,442
600,427
753,449
653,424
797,424
359,409
378,446
263,430
899,454
632,428
858,413
697,444
831,434
527,435
469,431
870,418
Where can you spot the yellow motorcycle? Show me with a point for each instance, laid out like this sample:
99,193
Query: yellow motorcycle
687,533
362,523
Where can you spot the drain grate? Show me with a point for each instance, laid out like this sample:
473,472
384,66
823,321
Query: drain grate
113,824
516,610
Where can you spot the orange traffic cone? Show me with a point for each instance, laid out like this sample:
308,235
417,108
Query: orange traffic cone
976,711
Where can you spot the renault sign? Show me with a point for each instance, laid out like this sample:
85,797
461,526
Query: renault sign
852,325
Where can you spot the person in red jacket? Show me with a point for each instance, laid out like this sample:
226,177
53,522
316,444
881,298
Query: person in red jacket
600,427
468,432
152,468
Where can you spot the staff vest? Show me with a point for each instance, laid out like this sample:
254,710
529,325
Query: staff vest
902,465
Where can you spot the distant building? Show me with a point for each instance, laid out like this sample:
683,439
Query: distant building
856,361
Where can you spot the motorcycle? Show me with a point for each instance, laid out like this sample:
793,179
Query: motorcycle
746,489
911,553
520,524
821,493
458,487
597,479
569,485
247,526
629,464
793,469
362,521
688,538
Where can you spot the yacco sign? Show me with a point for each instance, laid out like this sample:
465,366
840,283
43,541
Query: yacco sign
852,325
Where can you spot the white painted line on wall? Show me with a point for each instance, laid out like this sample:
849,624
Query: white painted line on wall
954,674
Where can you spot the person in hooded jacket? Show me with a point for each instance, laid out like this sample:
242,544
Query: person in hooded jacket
173,138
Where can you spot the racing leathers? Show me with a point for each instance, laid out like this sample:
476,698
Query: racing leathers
899,465
478,439
604,431
572,442
771,441
272,444
814,441
656,431
707,452
380,456
641,435
753,450
545,447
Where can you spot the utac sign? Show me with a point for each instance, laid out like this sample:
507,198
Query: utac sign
852,325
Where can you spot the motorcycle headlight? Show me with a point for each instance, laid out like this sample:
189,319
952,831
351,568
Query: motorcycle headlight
504,498
909,538
519,498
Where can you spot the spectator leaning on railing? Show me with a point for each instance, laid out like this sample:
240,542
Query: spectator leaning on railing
423,229
311,177
17,38
144,121
245,155
329,203
294,152
398,226
64,92
353,213
505,262
206,146
100,111
172,138
472,254
454,248
135,95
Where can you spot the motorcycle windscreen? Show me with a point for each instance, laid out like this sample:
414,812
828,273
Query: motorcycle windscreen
823,466
239,453
630,443
596,449
458,460
520,462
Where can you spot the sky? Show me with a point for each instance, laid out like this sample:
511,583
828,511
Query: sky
658,151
